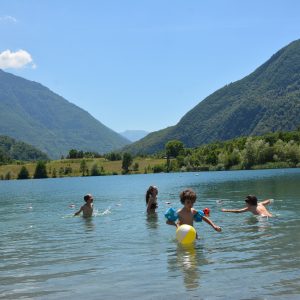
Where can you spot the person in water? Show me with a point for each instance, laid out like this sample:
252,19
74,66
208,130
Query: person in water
257,208
187,214
87,208
151,199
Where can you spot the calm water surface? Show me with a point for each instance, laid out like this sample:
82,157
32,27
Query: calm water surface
120,252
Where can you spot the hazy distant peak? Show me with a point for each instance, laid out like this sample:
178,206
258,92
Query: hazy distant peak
134,135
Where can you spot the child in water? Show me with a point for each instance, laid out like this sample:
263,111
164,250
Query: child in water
151,199
87,208
257,208
187,214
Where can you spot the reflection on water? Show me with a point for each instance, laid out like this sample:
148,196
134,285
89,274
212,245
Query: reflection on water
187,259
89,224
152,220
258,224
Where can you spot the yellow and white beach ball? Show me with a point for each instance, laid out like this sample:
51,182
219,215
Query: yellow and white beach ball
185,234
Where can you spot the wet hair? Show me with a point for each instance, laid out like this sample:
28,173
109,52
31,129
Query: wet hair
87,197
251,199
188,195
149,192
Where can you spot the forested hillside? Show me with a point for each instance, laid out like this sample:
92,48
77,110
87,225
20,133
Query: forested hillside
32,113
10,150
267,100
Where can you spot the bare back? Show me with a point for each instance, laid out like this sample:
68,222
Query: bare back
260,210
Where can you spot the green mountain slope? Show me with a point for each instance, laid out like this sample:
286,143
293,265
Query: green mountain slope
32,113
10,149
266,100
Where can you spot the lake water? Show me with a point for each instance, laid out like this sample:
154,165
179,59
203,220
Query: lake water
121,253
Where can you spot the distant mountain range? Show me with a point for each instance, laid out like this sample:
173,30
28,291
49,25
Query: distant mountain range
32,113
134,135
267,100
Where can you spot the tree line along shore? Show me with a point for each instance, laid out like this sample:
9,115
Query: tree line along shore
273,150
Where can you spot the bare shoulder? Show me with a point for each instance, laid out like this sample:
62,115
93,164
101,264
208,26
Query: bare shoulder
179,211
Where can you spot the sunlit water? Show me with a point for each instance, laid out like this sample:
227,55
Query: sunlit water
46,253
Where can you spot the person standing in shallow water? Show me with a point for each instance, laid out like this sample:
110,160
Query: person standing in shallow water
257,208
151,199
87,208
187,214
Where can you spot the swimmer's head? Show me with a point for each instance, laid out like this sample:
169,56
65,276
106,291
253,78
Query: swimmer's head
188,196
152,189
88,197
251,199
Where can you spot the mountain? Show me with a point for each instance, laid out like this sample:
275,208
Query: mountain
134,135
32,113
267,100
10,149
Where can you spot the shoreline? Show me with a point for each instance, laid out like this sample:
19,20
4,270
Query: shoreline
72,165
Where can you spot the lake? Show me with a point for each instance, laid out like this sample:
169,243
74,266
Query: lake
46,253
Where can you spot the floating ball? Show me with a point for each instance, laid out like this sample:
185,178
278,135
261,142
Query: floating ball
185,234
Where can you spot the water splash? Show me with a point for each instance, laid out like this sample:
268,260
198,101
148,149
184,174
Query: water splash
98,213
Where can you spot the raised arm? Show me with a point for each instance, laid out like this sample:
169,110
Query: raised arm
267,201
214,226
237,211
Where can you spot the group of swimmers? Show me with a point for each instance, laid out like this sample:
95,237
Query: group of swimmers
187,214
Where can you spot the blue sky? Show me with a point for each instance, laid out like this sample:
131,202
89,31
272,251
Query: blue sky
141,64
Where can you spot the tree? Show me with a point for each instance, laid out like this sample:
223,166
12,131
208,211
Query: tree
95,171
126,162
73,153
80,154
40,170
83,168
23,174
135,167
174,148
113,156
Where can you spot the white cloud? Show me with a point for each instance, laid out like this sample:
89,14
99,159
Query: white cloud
16,60
8,19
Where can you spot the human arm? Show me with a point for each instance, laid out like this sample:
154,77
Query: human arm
78,212
211,223
235,210
267,201
172,223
